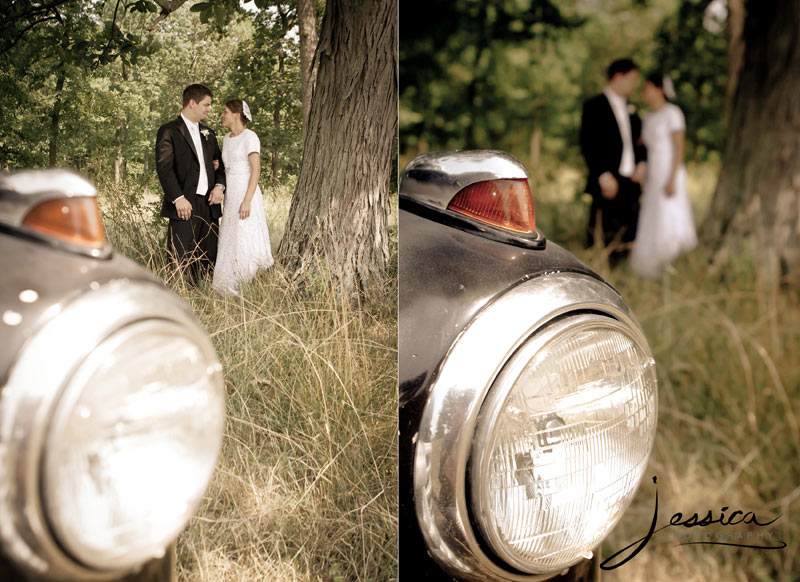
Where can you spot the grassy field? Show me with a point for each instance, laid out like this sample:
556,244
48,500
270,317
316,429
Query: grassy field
305,487
729,404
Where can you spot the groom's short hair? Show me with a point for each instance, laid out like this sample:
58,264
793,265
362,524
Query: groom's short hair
623,66
195,92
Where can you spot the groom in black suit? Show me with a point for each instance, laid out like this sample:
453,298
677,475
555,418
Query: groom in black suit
193,188
611,144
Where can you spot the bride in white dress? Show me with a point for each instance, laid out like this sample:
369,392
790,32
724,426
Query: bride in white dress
244,239
666,224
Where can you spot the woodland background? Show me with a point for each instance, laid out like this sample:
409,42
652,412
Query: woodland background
81,92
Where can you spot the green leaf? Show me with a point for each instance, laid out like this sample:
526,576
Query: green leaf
220,14
201,7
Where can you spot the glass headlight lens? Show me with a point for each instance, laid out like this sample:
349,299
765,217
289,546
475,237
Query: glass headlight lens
133,443
562,441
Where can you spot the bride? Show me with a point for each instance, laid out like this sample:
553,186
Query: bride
666,225
244,239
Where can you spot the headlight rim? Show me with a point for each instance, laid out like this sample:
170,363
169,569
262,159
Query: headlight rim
31,394
447,426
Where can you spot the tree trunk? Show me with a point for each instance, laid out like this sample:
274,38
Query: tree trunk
61,77
118,160
536,150
307,22
121,165
758,192
275,166
736,15
55,116
337,220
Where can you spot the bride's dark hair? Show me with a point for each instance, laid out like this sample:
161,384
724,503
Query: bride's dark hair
235,106
661,81
656,78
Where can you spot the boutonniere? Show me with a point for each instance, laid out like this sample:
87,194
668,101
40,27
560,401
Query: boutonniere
631,109
204,132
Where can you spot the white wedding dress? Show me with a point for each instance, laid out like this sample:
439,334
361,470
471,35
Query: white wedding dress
666,223
243,244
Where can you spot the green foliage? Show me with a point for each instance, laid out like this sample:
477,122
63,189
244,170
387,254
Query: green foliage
460,68
692,50
121,81
275,91
513,75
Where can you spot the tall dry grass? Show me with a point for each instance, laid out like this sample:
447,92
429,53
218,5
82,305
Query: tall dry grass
305,487
727,354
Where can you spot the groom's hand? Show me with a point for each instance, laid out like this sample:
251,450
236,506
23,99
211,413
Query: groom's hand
215,196
608,186
184,208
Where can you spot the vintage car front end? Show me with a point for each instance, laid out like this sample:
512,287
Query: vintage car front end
528,398
111,396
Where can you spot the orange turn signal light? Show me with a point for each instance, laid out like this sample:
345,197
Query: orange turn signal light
74,220
506,204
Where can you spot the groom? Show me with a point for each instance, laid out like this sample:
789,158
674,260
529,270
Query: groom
611,145
185,155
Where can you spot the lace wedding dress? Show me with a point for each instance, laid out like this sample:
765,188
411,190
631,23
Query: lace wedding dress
666,224
243,244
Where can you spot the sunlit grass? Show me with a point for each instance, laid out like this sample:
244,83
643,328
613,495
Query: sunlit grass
305,488
728,421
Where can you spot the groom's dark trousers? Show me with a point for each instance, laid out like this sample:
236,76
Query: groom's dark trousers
193,242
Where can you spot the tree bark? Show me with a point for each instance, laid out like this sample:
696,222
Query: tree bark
118,160
55,116
536,150
307,22
275,162
736,15
758,193
337,222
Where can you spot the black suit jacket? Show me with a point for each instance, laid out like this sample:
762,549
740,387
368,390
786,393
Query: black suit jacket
178,167
601,141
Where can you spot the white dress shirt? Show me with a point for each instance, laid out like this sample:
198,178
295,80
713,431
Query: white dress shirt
620,108
194,131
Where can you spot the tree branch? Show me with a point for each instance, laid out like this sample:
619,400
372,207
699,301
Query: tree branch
31,11
110,36
167,8
26,29
170,5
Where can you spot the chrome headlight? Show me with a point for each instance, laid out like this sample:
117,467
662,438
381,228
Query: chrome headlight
537,431
561,442
111,420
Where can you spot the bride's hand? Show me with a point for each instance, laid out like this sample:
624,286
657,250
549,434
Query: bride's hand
244,210
216,164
